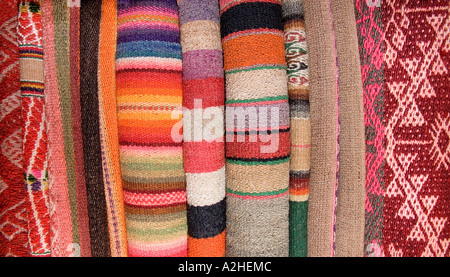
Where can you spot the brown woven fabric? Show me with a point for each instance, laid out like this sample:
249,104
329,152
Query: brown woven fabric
323,109
90,13
349,239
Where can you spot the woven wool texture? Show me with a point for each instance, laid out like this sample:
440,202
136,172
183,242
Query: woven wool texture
417,115
351,189
13,209
298,88
34,126
203,101
369,27
68,213
90,14
324,127
149,102
109,138
80,177
257,143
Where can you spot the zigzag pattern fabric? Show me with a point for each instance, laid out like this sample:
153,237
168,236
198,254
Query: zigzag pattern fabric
369,27
149,103
34,126
13,206
203,114
417,115
257,128
298,89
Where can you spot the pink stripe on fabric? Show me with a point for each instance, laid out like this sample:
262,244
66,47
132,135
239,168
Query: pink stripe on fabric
60,217
148,63
141,10
168,249
333,231
154,199
147,24
162,151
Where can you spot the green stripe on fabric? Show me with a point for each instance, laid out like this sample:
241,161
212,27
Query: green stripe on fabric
157,232
268,98
298,235
280,161
265,193
255,68
153,166
61,13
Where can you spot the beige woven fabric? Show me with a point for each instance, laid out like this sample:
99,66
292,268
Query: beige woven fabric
323,109
351,189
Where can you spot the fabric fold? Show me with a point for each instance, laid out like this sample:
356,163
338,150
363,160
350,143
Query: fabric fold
351,189
109,138
34,126
324,127
370,39
257,129
203,119
13,195
300,135
90,16
149,103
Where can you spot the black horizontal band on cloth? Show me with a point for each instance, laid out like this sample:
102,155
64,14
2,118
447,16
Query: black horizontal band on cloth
295,16
255,132
257,159
248,16
301,174
206,221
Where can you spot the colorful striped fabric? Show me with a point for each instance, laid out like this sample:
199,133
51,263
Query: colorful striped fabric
203,147
13,218
109,138
149,102
34,126
298,88
370,35
80,175
68,210
257,128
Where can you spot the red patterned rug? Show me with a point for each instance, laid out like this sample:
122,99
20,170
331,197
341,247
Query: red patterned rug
13,217
417,135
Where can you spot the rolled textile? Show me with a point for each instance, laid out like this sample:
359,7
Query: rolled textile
81,199
324,127
417,115
149,103
298,89
68,210
257,129
90,16
34,126
204,153
351,188
12,193
369,27
109,138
